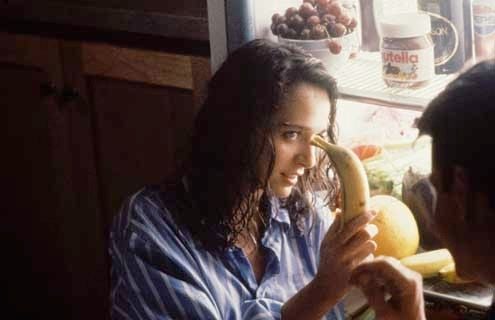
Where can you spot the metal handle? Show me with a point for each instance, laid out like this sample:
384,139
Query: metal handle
70,95
48,89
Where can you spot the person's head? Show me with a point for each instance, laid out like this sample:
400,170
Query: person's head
251,139
461,122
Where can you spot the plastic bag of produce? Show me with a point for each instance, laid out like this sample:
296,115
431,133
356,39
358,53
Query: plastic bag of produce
419,195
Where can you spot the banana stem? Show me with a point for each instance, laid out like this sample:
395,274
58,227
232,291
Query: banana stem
319,142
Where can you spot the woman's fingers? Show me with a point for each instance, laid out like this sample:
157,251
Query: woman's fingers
371,229
356,224
335,227
346,242
360,239
364,252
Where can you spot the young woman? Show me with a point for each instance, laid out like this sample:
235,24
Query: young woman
243,233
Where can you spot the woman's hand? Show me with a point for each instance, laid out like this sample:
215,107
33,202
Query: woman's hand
393,291
340,252
343,250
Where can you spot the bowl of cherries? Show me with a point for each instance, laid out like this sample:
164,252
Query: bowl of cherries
323,28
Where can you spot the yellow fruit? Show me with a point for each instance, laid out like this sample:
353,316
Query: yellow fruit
428,263
355,186
449,274
398,234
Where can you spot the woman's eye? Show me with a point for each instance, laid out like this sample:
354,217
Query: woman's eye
291,135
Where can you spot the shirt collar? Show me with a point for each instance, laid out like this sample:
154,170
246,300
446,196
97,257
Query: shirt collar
278,212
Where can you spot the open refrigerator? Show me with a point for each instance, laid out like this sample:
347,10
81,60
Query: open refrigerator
372,113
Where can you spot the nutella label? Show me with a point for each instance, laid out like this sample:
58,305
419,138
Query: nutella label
408,65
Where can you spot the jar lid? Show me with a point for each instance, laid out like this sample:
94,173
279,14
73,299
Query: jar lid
405,25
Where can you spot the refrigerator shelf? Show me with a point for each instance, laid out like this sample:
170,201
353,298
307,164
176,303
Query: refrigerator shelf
360,79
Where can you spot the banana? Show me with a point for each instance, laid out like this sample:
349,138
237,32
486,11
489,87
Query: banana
449,274
352,176
428,263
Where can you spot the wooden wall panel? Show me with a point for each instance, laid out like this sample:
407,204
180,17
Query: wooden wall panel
142,105
36,170
138,132
127,126
201,73
32,51
138,65
84,227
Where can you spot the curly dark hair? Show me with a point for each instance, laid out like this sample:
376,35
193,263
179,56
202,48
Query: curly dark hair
233,133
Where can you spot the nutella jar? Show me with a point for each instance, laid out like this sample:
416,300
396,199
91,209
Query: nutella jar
407,50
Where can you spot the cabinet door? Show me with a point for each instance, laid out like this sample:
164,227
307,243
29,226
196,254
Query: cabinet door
35,175
141,105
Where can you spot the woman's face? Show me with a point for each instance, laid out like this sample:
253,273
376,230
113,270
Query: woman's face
303,112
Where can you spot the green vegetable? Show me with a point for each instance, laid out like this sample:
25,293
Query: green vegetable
380,182
368,314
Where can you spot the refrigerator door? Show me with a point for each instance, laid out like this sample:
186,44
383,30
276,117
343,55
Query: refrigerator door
235,22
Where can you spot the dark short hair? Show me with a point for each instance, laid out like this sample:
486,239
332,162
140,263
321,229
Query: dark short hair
461,122
232,132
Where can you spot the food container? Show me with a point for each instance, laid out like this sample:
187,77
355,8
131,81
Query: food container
319,49
484,28
407,50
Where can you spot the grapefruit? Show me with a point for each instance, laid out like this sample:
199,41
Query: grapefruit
398,234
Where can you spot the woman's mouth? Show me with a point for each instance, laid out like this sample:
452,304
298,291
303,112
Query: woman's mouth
291,178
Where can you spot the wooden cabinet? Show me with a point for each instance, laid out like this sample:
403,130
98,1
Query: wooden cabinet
170,22
195,8
35,173
143,104
87,125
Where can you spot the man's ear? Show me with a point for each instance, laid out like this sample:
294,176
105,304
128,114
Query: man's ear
460,189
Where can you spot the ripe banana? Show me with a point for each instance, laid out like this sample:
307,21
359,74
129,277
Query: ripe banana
449,274
428,263
352,176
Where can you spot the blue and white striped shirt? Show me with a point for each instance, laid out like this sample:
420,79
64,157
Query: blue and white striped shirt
159,272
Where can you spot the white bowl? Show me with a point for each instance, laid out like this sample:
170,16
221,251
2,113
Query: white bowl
319,49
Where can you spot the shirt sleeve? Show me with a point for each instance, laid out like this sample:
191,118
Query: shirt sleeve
153,276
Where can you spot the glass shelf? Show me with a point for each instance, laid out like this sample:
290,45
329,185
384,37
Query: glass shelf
360,79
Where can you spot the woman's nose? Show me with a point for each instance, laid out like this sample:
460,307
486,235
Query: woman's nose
307,156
